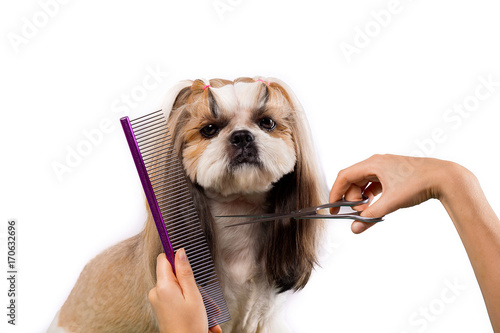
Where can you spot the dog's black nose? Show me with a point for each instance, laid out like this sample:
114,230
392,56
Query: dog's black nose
241,139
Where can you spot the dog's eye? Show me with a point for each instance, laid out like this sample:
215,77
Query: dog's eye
267,123
209,131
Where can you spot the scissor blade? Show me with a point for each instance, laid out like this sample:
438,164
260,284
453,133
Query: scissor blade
266,219
348,216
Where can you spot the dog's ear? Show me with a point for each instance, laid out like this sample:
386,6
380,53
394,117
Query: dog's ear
176,96
174,109
290,247
176,113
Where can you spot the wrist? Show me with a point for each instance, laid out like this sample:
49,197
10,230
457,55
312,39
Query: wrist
454,182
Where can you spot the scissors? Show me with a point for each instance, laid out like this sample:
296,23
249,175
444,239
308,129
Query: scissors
311,213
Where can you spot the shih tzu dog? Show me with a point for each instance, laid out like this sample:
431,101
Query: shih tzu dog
246,148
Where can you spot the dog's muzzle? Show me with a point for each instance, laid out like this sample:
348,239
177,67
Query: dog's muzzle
243,148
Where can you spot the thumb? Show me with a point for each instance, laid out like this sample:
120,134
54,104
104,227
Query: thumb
185,275
378,209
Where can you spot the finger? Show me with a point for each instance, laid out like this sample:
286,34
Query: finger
164,272
381,207
185,275
371,191
358,173
166,282
378,209
375,210
210,303
354,193
374,189
334,210
215,329
358,227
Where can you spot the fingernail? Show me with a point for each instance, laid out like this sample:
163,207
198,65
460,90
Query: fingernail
182,255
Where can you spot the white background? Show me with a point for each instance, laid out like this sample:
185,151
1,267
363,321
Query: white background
71,73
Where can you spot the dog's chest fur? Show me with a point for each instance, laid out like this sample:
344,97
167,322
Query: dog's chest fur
251,299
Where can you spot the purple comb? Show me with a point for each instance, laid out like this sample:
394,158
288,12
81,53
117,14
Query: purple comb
172,206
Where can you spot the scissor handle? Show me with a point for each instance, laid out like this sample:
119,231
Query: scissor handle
341,203
352,216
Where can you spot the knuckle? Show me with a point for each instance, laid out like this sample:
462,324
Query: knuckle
152,295
369,213
162,289
376,161
342,174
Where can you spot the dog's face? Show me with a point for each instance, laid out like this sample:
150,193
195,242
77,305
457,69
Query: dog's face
237,139
245,137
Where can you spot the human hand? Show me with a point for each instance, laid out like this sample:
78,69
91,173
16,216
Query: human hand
176,301
403,182
409,181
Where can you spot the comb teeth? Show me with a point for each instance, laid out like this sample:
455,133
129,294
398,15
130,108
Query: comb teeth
172,205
